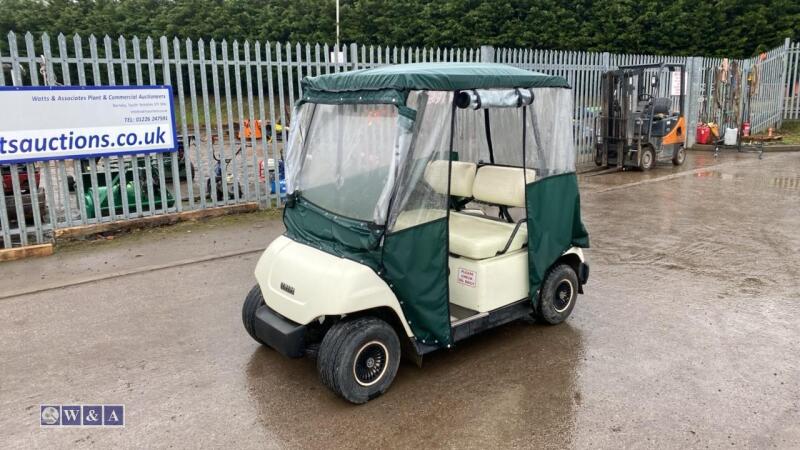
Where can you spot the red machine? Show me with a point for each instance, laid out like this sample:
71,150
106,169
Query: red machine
703,134
8,187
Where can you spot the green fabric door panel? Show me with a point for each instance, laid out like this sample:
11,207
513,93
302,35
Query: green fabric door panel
415,266
345,238
554,223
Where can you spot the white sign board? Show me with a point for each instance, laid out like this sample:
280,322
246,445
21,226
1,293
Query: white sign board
337,57
69,122
675,82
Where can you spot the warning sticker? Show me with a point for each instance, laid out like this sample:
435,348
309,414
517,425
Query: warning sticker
467,277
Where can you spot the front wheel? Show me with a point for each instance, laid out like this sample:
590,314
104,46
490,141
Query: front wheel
358,359
558,294
648,158
679,157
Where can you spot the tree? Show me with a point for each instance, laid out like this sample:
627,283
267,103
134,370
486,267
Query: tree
730,28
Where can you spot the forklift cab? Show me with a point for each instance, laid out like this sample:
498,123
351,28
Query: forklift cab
642,118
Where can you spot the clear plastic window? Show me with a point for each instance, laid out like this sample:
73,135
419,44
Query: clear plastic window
469,140
552,151
418,198
347,157
548,134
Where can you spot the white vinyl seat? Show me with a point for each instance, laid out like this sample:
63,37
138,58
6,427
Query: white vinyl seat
436,174
480,238
462,177
477,237
472,235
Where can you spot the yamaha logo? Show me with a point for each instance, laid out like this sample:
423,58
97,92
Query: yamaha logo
287,288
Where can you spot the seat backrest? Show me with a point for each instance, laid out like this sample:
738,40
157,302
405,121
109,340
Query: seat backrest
502,185
461,178
662,105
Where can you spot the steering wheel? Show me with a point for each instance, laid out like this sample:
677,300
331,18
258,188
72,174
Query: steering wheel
644,97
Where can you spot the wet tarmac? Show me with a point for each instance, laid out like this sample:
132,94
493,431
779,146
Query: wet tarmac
688,336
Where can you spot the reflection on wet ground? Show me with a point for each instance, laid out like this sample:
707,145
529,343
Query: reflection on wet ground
593,178
791,182
687,337
486,393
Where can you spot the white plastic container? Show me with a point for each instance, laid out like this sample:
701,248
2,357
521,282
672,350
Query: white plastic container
730,136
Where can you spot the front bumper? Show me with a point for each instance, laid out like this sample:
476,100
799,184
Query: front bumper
283,335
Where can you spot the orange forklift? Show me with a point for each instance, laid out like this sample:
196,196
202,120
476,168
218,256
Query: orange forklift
638,122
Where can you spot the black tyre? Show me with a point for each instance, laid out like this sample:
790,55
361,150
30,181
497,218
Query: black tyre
252,302
648,160
598,159
358,359
558,294
679,157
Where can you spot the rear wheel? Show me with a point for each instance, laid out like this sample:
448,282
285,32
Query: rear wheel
558,294
648,158
679,157
252,302
358,359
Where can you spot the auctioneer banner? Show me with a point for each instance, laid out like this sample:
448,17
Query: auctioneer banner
70,122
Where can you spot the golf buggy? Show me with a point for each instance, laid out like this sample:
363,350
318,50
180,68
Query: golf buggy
426,203
638,123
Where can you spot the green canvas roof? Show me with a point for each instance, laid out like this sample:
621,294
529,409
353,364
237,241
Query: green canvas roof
433,76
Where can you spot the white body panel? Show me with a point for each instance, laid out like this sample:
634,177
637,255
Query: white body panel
322,284
325,285
486,284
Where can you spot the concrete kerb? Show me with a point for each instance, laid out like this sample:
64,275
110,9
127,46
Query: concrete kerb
82,231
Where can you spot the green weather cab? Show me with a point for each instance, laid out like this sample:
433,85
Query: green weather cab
426,203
